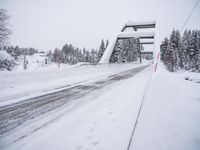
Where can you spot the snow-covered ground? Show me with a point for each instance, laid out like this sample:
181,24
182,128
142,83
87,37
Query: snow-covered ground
105,119
170,114
18,85
34,62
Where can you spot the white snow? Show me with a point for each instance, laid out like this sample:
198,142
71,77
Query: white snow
19,85
134,23
4,55
104,121
136,34
35,62
169,117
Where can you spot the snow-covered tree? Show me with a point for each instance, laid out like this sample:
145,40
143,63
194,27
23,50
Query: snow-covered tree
182,51
163,49
68,50
6,61
4,29
58,56
169,57
116,52
94,57
125,50
174,46
101,49
197,65
193,50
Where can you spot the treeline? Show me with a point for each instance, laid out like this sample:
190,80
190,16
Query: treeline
16,51
73,55
9,55
125,50
181,51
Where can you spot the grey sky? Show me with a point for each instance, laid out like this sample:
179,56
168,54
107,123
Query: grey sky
49,24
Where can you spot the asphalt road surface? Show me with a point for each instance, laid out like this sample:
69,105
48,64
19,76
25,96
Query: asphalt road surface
16,114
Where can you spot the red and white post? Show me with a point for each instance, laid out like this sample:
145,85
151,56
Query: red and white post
157,62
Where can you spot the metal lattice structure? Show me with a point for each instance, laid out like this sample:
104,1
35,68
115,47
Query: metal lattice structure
131,30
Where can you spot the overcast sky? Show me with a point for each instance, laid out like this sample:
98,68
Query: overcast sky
49,24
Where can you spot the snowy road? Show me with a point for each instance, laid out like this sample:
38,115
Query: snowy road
24,113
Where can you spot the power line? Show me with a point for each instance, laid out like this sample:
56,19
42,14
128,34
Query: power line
190,15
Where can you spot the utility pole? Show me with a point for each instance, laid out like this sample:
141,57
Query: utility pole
140,55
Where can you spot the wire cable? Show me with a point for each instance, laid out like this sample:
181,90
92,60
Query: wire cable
190,15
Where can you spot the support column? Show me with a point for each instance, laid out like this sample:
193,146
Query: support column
140,55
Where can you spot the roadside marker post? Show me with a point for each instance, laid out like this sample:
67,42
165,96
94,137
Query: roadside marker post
157,62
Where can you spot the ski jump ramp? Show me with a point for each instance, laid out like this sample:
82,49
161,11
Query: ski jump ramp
126,33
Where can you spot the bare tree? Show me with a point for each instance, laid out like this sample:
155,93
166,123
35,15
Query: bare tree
4,29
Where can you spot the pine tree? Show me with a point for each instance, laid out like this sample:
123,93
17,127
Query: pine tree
58,56
197,65
174,45
125,50
178,49
101,49
163,49
182,52
17,52
116,51
94,58
170,59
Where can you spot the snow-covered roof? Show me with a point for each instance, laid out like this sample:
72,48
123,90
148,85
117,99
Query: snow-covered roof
136,35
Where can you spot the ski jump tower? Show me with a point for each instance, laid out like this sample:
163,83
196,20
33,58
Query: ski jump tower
131,30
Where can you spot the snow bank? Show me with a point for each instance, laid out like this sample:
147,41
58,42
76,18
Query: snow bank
6,61
4,55
170,114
